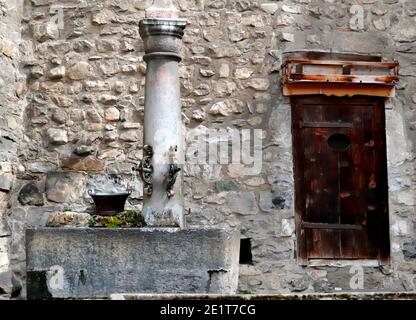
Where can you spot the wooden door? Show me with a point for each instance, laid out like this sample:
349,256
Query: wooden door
340,178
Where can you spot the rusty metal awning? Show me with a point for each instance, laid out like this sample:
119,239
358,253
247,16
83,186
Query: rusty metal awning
332,74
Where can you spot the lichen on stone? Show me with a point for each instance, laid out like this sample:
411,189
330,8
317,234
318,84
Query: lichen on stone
124,219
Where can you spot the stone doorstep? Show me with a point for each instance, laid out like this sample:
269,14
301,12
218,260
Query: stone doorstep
308,296
343,263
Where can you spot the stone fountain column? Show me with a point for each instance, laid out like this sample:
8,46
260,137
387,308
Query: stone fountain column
163,152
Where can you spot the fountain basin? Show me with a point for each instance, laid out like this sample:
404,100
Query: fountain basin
95,263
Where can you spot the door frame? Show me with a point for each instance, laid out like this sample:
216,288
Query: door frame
384,225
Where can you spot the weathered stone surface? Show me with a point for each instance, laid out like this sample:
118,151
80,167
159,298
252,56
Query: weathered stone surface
57,136
46,31
289,37
64,187
59,116
84,150
399,228
270,201
224,71
409,250
227,107
112,114
4,259
68,219
107,99
323,286
199,115
206,72
299,285
102,17
109,68
225,52
57,73
80,71
259,84
62,101
6,181
287,228
242,202
269,7
89,163
225,185
398,153
111,153
60,263
255,181
279,124
6,285
130,135
41,167
30,195
224,88
243,73
405,31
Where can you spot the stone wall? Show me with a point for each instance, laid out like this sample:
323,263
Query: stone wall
79,122
12,106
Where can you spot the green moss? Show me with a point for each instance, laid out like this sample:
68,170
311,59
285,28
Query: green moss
124,219
92,222
113,222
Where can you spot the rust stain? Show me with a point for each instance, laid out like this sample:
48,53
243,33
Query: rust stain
386,64
331,77
339,89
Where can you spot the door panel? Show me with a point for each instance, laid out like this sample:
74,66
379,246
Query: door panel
340,177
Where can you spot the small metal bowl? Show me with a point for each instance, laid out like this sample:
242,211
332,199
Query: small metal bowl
109,204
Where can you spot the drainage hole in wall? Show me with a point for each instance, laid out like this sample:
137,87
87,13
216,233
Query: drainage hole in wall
246,256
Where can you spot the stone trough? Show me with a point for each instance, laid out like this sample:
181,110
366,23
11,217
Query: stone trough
95,263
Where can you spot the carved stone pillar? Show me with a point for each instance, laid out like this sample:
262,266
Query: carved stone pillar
162,33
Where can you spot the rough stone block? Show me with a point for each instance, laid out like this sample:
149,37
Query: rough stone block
30,195
409,250
6,181
243,203
6,285
64,187
68,218
87,262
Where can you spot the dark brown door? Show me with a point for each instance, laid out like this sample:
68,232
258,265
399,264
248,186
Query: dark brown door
340,178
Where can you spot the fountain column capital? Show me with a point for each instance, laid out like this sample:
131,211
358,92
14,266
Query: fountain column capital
162,30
